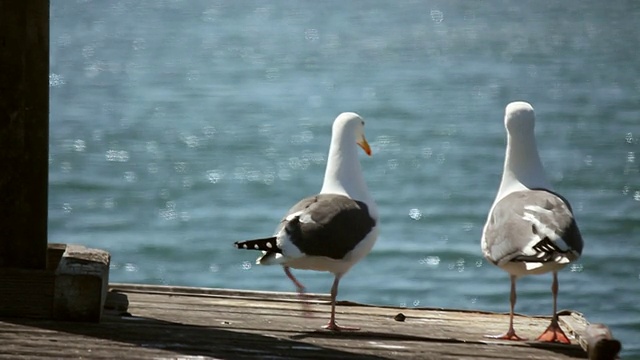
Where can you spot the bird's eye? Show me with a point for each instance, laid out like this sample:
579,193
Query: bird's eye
362,122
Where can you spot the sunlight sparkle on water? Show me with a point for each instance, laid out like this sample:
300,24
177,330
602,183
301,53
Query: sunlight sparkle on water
117,155
66,207
272,73
304,137
415,214
65,166
254,175
576,267
109,203
56,80
629,138
214,176
187,182
130,267
79,145
269,178
457,265
180,167
311,34
437,16
130,176
315,158
209,131
169,212
191,141
299,163
430,261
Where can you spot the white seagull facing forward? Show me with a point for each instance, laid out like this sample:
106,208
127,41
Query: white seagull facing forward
530,228
333,230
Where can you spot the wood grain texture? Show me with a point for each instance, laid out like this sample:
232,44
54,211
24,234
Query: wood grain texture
24,133
596,339
176,322
25,292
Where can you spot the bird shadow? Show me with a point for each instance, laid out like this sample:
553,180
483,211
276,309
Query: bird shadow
376,336
567,350
151,335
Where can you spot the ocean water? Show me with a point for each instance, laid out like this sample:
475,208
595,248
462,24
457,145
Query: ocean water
179,127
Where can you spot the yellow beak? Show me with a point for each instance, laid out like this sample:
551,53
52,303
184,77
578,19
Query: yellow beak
365,146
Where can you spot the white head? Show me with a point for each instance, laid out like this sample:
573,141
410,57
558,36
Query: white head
522,166
343,174
519,118
349,124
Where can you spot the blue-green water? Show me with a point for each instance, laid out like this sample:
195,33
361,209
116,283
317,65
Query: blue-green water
178,127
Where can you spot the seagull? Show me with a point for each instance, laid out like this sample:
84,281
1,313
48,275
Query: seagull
530,228
334,229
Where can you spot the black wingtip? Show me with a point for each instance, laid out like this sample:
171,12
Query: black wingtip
267,244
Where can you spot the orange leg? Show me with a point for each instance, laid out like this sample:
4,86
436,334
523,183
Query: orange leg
554,333
300,289
332,325
511,333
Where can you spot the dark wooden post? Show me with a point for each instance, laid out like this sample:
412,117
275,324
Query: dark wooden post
24,132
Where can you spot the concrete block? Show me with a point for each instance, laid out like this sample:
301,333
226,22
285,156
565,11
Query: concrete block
81,284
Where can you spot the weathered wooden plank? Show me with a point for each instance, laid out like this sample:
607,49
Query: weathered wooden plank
596,339
174,322
288,303
600,343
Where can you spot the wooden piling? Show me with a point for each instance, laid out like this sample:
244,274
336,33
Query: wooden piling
24,132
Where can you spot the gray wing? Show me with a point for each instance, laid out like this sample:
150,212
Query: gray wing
532,226
327,225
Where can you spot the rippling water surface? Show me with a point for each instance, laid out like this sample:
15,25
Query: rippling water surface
178,127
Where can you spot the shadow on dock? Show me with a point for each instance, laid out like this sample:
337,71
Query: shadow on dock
185,323
136,333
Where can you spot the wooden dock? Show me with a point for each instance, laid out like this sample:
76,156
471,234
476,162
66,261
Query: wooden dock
44,286
160,322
